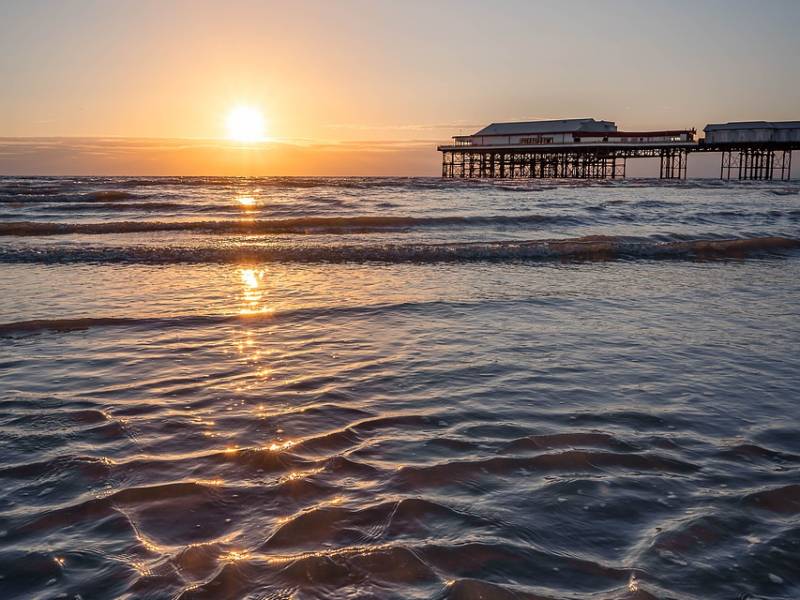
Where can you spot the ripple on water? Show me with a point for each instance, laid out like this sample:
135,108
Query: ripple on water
409,405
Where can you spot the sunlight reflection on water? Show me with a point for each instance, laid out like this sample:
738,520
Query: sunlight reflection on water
446,430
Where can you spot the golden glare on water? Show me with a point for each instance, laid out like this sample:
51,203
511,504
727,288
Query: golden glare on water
252,278
279,446
246,201
245,124
253,293
235,556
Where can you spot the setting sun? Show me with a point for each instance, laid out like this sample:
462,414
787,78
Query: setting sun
245,124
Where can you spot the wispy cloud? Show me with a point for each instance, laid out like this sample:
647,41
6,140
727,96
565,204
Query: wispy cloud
405,127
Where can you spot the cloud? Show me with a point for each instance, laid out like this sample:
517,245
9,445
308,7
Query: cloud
406,127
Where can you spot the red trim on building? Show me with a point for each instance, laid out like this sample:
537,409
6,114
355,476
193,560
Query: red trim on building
588,134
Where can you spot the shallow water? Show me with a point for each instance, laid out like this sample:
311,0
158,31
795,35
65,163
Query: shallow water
394,388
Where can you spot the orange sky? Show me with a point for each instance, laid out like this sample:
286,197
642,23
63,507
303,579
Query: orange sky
121,156
366,87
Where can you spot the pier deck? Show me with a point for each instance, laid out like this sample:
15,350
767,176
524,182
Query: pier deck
756,161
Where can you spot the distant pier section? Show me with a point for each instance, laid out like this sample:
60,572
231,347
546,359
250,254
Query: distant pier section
590,149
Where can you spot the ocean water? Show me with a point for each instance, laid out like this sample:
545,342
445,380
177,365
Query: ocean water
399,388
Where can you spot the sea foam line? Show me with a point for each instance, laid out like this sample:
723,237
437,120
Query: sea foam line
582,248
298,225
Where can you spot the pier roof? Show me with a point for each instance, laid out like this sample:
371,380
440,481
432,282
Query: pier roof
552,126
753,125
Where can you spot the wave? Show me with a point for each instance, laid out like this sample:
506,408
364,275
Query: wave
131,206
297,225
580,249
785,499
758,216
83,323
51,195
191,320
569,461
54,185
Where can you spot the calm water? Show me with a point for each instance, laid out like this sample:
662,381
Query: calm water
399,388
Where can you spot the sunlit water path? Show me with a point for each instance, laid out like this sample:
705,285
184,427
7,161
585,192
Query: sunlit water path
399,388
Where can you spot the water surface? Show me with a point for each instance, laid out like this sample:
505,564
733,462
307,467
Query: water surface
398,388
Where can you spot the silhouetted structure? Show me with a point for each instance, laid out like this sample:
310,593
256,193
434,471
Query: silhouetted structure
591,149
754,149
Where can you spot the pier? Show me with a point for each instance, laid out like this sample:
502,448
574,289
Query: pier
590,149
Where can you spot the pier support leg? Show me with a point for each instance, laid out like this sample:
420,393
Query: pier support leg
731,161
619,167
755,164
673,163
785,165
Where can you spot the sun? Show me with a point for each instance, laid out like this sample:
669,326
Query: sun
245,124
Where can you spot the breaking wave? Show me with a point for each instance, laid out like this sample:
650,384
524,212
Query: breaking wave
50,195
582,248
298,225
74,188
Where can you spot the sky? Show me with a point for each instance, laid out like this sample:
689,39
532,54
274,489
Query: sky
357,87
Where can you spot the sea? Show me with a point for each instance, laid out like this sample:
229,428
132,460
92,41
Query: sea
399,388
